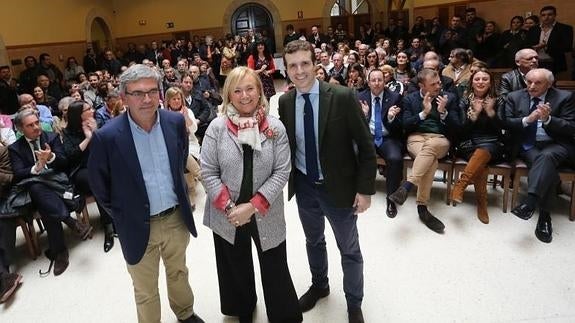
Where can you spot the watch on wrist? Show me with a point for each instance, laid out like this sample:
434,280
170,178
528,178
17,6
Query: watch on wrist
229,206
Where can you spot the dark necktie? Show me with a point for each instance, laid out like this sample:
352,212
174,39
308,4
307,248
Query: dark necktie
531,134
35,144
309,133
378,129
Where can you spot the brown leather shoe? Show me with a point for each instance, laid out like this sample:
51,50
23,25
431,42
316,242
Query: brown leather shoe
61,263
83,231
8,285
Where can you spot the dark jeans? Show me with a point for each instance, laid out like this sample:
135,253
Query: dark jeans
236,277
314,206
392,151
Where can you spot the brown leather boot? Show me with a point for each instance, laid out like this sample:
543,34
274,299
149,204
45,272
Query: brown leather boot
476,163
480,184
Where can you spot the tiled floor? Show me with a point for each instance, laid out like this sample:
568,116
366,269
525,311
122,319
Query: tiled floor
473,273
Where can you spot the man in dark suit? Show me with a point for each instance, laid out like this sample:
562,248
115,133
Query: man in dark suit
541,120
382,111
33,156
430,117
316,37
146,150
330,178
9,282
526,59
552,40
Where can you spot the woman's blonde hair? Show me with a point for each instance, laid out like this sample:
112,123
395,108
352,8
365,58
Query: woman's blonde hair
172,92
234,77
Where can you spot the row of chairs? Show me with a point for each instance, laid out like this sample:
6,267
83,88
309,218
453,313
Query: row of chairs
509,172
26,224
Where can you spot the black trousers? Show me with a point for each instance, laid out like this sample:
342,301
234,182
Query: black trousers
392,151
543,161
53,211
7,243
82,186
236,277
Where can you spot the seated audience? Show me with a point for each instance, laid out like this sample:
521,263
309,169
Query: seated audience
429,119
9,282
480,139
175,102
390,82
106,112
37,158
382,109
76,140
543,137
458,69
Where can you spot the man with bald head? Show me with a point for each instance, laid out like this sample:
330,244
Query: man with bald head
541,122
338,67
526,60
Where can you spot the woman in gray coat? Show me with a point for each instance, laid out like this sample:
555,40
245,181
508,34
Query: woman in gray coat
245,162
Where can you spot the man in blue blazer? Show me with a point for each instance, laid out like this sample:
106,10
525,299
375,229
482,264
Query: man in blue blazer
137,172
386,130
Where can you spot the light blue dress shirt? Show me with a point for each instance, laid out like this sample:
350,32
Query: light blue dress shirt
299,127
155,165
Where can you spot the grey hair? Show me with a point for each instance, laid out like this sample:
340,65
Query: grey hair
545,72
65,102
23,114
137,72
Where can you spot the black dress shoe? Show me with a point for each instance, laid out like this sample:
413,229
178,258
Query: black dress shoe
391,209
108,237
307,301
399,196
61,263
431,222
355,315
544,230
193,319
523,211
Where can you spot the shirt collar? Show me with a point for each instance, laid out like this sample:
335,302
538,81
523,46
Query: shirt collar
134,125
314,89
380,96
541,97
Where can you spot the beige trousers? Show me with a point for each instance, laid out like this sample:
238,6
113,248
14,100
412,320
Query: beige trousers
192,178
426,149
169,238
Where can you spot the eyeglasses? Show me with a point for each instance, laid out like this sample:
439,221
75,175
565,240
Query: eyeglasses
142,94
